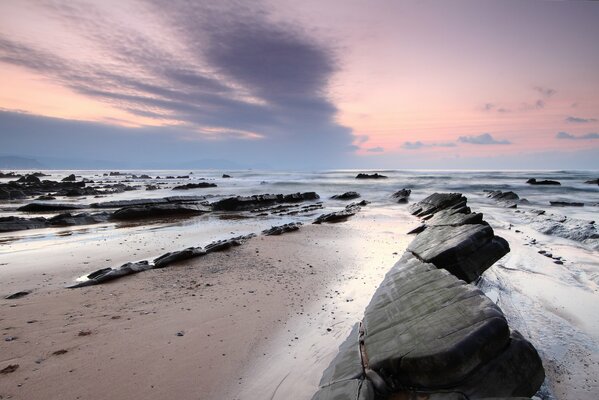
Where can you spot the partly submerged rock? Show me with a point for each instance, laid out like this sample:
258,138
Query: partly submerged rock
226,176
70,178
250,202
68,219
159,211
346,196
566,204
376,175
279,230
402,195
593,181
533,181
198,185
45,207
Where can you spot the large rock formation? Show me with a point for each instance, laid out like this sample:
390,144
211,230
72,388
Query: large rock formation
376,175
402,195
346,196
426,331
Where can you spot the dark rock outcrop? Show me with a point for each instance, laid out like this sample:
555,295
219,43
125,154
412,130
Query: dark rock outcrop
9,175
376,175
48,207
426,330
70,178
29,179
346,196
279,230
566,204
108,274
198,185
169,258
533,181
402,195
159,211
240,203
225,244
18,295
10,224
226,176
593,181
338,216
68,219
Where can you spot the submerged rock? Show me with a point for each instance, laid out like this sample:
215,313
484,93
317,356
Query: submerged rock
250,202
533,181
346,196
376,175
279,230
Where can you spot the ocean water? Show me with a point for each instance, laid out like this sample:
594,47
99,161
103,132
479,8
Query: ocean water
555,305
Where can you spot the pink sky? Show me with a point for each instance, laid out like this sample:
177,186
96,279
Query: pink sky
409,77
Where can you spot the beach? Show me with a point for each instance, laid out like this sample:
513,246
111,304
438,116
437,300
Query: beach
265,318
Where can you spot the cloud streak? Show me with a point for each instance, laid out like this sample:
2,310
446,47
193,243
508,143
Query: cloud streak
568,136
580,120
484,139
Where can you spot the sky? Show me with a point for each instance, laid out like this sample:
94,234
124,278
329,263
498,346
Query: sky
284,84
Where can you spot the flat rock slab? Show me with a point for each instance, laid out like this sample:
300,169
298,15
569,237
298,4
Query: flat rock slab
44,207
159,211
466,251
338,216
424,328
347,364
437,202
356,389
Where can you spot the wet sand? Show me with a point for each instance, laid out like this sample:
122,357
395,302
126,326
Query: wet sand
258,321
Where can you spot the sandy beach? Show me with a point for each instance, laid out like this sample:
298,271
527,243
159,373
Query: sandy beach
222,326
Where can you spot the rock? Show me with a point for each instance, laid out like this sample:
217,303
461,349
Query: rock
9,369
466,250
251,202
128,203
9,175
70,178
194,186
338,216
11,194
45,207
533,181
437,202
159,211
226,176
221,245
346,196
566,204
68,219
424,328
376,175
278,230
502,196
10,224
18,295
402,195
593,182
46,198
176,256
29,179
152,187
355,389
108,274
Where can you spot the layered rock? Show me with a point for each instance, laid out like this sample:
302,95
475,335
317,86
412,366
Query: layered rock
426,330
402,195
240,203
338,216
285,228
346,196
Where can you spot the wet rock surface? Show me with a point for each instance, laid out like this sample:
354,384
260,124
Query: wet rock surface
376,175
533,181
45,207
427,330
566,204
199,185
338,216
402,195
251,202
346,196
159,211
279,230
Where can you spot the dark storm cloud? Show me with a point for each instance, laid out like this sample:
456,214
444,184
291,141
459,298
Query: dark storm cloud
579,120
483,139
240,71
569,136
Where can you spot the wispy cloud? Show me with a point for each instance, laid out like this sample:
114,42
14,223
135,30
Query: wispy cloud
419,145
545,92
569,136
579,120
230,72
377,149
483,139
